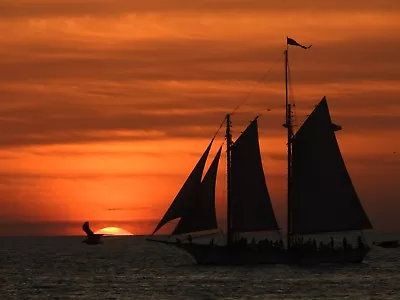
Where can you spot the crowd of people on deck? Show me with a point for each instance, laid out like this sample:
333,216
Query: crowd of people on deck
312,245
298,244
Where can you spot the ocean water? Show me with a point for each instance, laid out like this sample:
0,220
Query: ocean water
132,268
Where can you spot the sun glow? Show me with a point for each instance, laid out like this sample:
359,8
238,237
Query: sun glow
113,231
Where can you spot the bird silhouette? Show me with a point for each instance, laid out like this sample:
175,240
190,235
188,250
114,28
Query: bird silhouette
92,238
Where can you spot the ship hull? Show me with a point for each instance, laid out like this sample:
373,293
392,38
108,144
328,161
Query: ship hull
224,255
253,255
331,256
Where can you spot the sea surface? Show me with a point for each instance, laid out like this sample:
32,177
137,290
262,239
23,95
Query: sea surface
133,268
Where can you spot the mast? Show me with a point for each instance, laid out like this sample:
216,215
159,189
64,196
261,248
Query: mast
228,137
288,125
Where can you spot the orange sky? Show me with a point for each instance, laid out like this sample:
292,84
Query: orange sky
106,105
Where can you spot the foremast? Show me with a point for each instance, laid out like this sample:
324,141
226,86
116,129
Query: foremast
228,136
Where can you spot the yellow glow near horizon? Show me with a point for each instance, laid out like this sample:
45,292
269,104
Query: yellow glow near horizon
113,231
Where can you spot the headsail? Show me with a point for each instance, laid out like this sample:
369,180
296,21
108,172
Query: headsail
183,201
251,204
323,196
202,214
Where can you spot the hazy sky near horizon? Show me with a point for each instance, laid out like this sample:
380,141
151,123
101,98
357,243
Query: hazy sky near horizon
106,105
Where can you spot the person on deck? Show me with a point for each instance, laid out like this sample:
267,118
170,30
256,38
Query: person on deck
345,243
332,243
360,243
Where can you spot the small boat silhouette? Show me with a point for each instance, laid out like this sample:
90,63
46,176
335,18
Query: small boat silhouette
92,238
387,244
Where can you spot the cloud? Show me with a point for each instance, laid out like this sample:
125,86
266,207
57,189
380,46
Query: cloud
138,208
205,59
44,122
10,177
73,8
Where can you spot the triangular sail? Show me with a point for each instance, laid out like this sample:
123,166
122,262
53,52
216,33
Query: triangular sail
202,216
251,204
183,201
323,197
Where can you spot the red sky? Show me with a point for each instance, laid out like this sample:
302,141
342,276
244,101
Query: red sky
106,105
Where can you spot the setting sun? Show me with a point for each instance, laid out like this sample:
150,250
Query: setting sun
113,231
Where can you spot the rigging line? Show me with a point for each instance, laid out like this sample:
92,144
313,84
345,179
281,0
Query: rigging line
219,128
246,98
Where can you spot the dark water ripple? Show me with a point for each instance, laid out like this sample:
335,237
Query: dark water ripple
131,268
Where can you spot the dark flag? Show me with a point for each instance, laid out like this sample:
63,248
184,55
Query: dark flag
294,43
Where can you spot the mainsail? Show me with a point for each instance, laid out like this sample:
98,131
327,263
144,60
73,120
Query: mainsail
202,216
184,200
251,203
323,197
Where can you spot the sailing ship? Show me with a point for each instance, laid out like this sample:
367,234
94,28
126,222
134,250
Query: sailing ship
321,198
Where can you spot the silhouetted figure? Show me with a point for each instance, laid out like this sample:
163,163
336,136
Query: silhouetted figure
92,238
344,243
190,238
360,243
281,246
332,243
321,245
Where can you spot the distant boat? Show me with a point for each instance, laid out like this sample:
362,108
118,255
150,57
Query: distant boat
92,238
388,244
321,199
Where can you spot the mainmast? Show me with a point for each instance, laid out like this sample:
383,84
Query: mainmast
288,125
228,137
